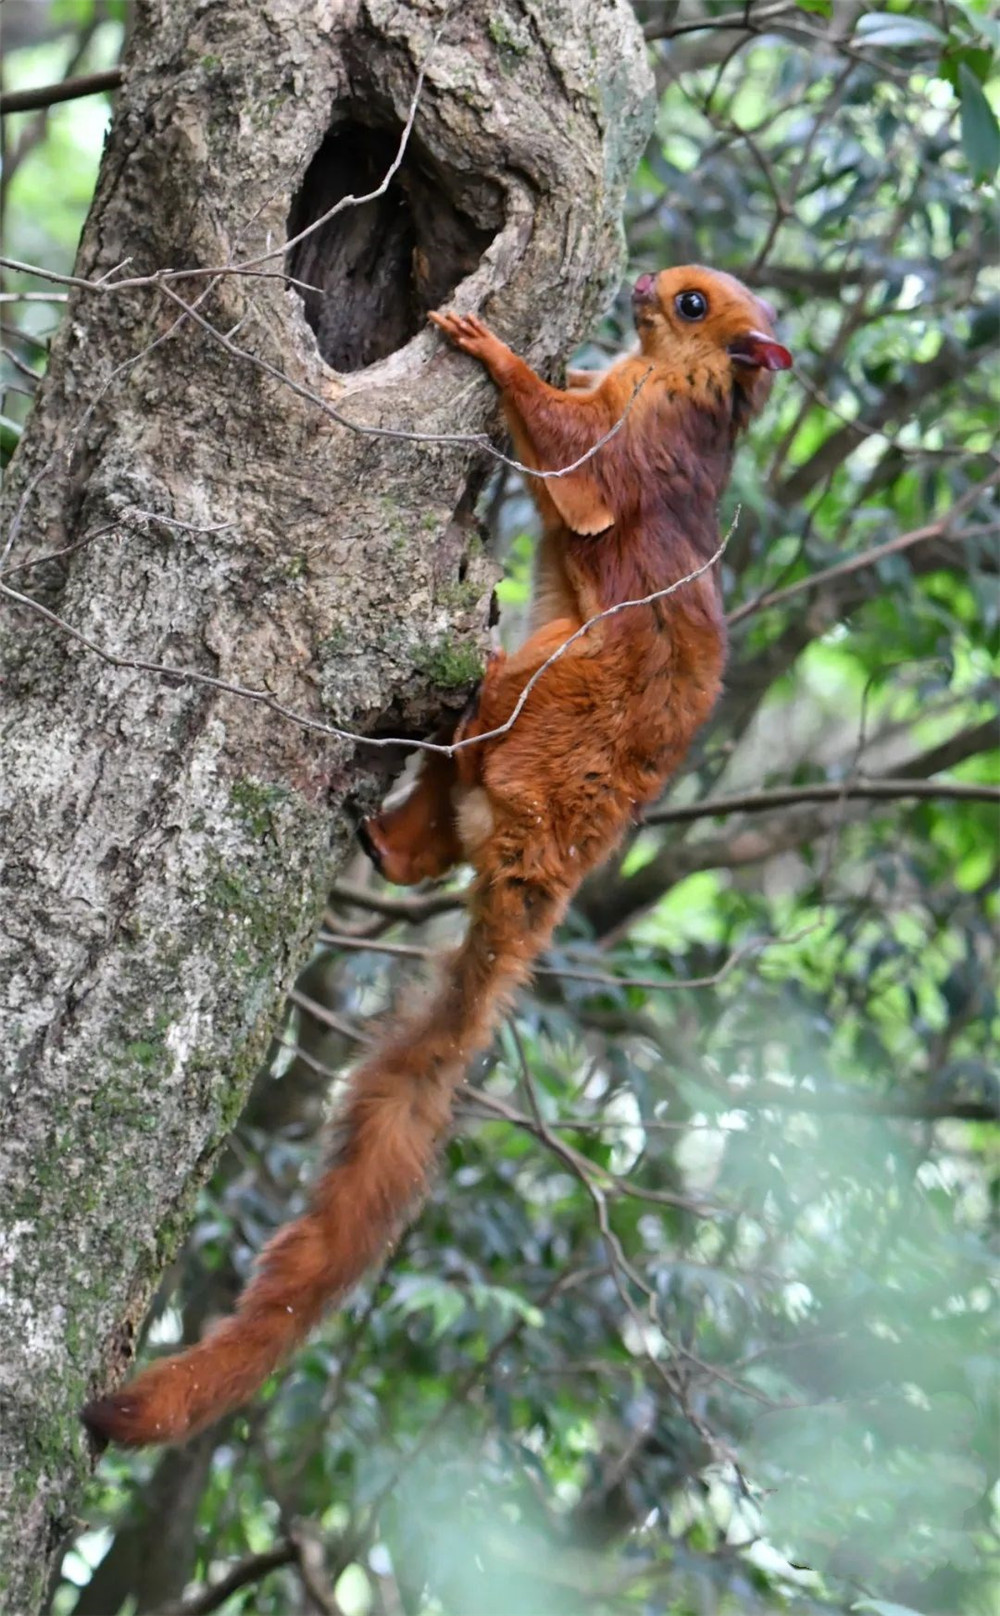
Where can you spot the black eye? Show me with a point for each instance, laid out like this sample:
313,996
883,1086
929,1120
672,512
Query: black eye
691,305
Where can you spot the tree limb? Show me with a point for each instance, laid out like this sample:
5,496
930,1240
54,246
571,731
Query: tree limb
610,902
888,788
251,1569
48,95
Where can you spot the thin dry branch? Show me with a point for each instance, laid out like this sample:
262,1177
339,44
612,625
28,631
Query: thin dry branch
349,201
921,1106
742,20
264,698
570,973
888,788
71,89
249,1570
32,297
869,558
422,907
475,440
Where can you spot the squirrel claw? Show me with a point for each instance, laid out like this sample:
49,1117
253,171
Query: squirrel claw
466,331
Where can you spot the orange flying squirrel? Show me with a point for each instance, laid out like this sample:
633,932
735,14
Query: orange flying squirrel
534,808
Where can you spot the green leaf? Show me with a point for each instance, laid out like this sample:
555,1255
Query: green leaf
980,131
73,13
10,437
885,1607
823,8
427,1294
885,28
978,61
984,327
510,1303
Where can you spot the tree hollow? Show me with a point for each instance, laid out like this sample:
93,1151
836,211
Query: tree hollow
377,268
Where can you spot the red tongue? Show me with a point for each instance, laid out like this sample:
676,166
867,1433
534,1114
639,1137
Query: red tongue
763,352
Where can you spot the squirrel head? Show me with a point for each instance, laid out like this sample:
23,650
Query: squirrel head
709,328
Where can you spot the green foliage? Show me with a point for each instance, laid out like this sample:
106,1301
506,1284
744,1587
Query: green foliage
980,132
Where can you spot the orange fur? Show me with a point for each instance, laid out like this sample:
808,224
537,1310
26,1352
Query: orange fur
534,809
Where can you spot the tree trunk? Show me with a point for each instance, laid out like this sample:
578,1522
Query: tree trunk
169,844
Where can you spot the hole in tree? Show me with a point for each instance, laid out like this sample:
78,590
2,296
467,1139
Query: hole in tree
379,267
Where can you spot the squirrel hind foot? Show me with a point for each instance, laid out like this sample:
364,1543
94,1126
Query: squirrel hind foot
112,1419
372,843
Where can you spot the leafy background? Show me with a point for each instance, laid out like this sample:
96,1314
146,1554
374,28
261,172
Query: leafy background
699,1318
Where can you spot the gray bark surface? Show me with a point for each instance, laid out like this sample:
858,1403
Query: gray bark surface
167,847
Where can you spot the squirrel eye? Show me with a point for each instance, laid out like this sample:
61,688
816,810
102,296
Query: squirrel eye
691,305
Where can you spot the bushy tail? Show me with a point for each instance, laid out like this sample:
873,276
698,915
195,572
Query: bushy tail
397,1110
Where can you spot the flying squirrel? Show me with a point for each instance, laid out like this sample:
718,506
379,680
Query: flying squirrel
534,808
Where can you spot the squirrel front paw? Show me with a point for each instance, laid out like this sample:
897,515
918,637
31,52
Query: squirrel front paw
468,332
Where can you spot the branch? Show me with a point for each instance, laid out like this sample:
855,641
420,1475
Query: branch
742,20
803,279
34,297
264,698
311,1563
589,1172
476,440
422,907
965,743
251,1569
47,95
783,18
160,281
853,1102
611,902
329,1018
888,788
870,558
344,941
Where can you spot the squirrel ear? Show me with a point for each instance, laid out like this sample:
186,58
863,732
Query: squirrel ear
761,352
578,500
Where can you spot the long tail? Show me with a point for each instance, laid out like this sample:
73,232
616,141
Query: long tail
398,1108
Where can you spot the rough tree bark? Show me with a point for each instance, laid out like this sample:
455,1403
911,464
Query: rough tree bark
168,845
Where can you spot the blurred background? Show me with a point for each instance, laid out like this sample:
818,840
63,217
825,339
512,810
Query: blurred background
700,1316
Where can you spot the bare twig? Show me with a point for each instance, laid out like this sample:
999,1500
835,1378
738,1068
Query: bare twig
48,95
159,281
353,201
422,907
264,698
610,611
475,440
887,788
32,297
19,365
251,1569
605,979
659,28
329,1018
870,558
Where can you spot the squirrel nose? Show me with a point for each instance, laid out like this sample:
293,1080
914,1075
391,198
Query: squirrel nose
643,289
